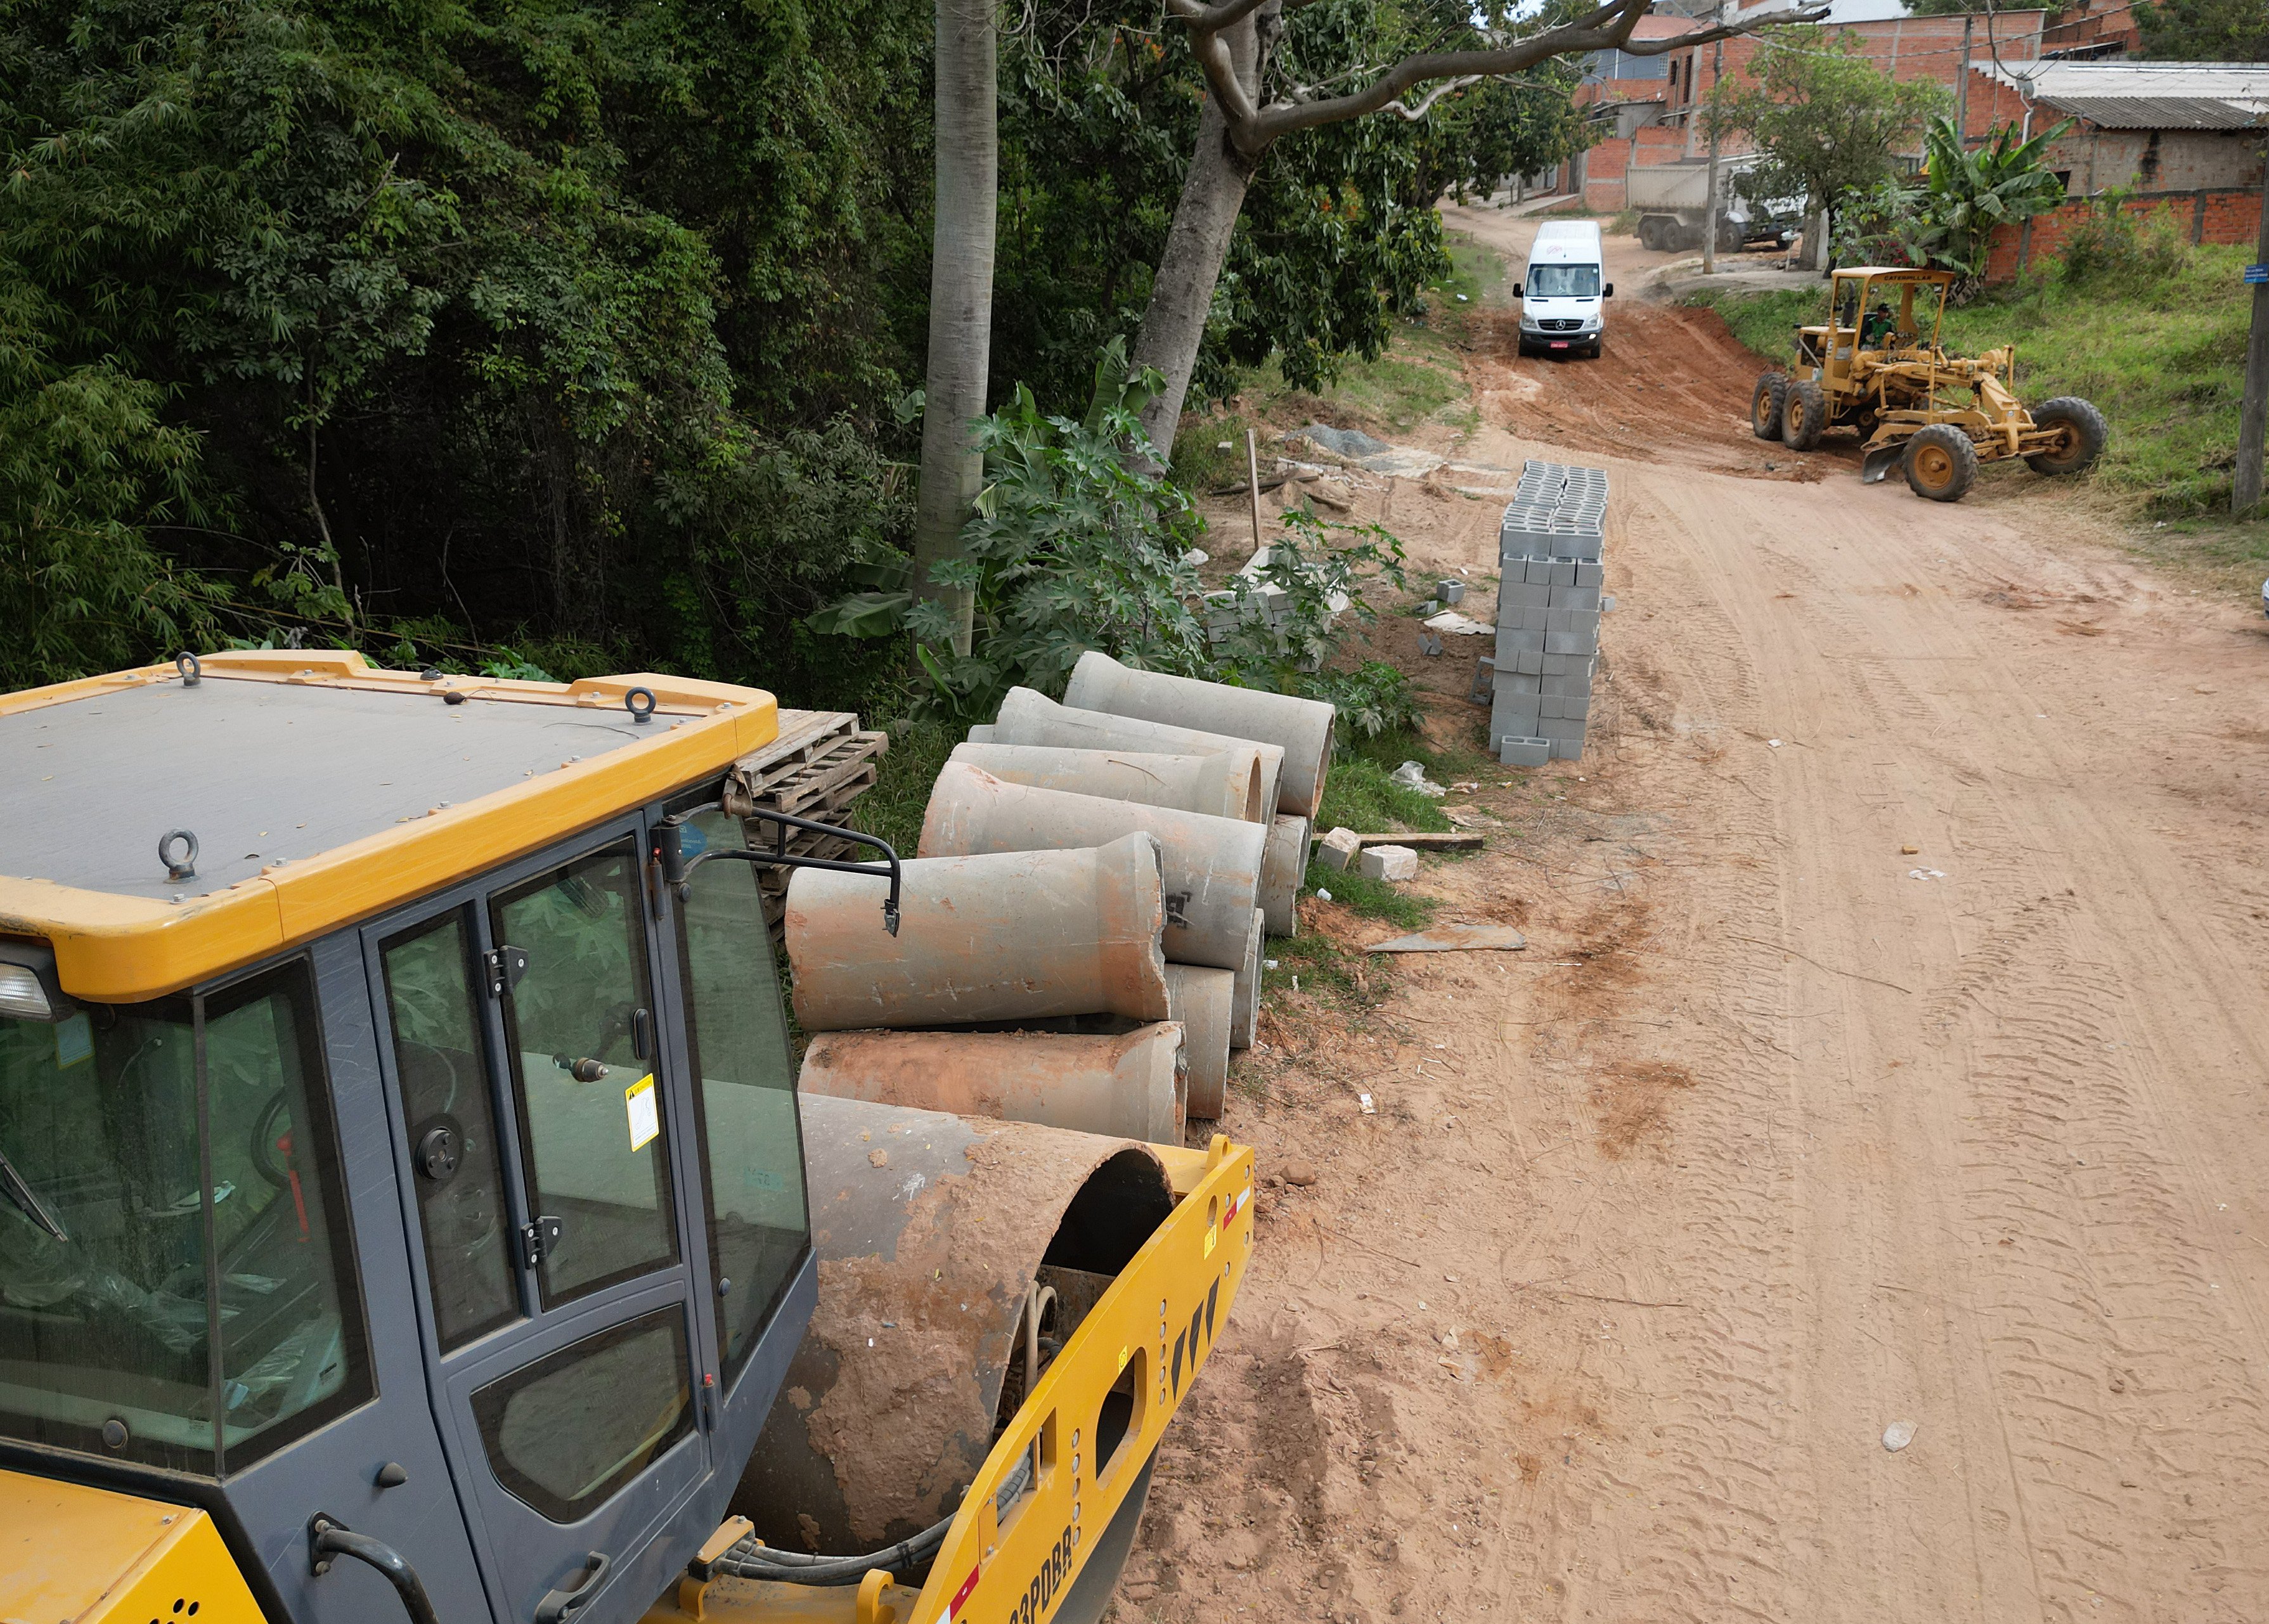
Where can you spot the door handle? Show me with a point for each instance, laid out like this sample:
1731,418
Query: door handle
327,1537
557,1606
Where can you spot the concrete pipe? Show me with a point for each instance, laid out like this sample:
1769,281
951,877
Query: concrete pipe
1224,785
1283,869
1245,1012
1211,865
983,938
1126,1085
1301,727
1203,1000
1029,717
980,733
929,1230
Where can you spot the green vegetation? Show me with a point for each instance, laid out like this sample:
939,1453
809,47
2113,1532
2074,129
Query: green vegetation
892,810
1373,899
1360,795
2204,30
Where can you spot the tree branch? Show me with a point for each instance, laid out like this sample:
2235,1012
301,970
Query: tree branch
1607,26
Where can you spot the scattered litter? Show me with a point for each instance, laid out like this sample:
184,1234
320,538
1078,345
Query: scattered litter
1458,625
1268,963
1322,895
1774,742
1222,445
1462,300
1412,775
1369,1109
1469,817
1925,874
1197,556
1898,1434
1455,939
1909,851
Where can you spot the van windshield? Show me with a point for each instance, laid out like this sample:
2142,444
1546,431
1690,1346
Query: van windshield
1564,282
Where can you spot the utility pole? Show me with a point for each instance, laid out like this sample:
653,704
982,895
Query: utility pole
1710,226
1962,84
2247,491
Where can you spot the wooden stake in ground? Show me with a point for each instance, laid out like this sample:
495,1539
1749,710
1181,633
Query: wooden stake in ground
2247,490
1253,483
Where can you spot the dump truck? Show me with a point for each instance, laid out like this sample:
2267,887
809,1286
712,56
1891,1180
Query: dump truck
1672,202
408,1208
1882,371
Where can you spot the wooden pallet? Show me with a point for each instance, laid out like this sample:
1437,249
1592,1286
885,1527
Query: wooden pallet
820,764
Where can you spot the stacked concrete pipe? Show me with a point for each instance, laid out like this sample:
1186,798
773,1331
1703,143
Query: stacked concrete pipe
1302,729
1245,1009
1211,865
1132,1085
1225,783
994,937
1204,1001
1283,867
1028,716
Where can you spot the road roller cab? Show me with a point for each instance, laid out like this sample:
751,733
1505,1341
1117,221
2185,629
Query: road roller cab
403,1202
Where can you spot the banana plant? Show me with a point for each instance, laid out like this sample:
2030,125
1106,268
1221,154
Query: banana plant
1968,193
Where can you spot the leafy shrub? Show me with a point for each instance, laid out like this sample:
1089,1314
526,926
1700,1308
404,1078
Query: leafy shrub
1286,614
2114,248
1373,699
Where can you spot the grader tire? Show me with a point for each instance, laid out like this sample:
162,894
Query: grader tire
2082,434
1940,463
1804,414
1764,405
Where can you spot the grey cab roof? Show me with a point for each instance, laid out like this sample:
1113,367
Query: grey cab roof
260,771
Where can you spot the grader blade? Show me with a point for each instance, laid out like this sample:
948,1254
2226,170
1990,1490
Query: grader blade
1878,462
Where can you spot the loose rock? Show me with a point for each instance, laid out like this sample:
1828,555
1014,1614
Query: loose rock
1299,1174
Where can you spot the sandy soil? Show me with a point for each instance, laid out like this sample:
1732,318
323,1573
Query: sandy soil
1765,1144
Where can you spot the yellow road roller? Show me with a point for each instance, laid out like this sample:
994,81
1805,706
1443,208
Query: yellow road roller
407,1209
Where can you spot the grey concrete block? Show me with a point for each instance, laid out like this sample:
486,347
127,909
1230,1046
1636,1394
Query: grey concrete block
1576,598
1578,620
1522,595
1564,573
1567,750
1561,727
1565,682
1539,572
1591,574
1530,660
1556,620
1519,752
1570,665
1567,643
1484,674
1514,641
1517,683
1607,604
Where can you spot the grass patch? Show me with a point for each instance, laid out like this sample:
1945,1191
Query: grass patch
1625,225
2162,357
1360,795
1476,271
1373,899
1201,465
892,810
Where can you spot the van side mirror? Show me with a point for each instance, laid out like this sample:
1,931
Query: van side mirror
1517,290
1607,291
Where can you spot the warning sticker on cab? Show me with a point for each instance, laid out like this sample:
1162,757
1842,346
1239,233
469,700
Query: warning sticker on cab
644,1110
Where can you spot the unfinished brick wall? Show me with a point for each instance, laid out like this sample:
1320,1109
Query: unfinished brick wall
2222,215
1603,175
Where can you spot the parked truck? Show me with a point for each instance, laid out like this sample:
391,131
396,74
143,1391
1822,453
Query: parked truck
1672,202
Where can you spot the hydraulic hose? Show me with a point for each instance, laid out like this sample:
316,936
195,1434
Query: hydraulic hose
751,1561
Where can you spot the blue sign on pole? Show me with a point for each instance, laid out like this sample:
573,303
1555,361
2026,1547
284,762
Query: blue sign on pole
2257,273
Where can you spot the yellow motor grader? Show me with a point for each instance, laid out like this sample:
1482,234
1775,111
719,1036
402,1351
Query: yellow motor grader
1870,366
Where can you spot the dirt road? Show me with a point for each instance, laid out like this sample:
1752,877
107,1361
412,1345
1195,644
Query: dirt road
1892,1047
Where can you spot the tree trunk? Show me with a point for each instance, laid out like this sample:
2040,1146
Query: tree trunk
1815,240
1197,245
960,294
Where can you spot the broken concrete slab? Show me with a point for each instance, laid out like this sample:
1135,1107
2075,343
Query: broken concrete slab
1338,849
1390,862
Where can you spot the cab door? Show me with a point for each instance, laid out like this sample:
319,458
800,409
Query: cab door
536,1120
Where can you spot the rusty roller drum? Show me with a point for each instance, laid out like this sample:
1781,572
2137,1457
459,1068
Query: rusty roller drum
938,1225
1283,869
1132,1084
1302,729
1029,717
1212,865
1245,1012
1203,1000
1226,784
986,938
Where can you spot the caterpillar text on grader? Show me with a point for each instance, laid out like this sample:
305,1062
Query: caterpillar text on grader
407,1207
1937,417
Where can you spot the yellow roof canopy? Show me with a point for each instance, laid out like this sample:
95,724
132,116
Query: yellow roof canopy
319,789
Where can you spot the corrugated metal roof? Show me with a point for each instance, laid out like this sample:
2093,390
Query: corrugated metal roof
2148,95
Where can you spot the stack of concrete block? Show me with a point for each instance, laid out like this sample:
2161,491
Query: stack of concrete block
1549,564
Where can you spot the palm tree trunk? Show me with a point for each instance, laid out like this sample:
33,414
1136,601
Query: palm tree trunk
960,294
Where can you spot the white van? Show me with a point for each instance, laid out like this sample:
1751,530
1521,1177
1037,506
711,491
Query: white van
1564,291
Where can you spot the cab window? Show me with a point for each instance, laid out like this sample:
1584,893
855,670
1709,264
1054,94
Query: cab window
177,1280
744,1090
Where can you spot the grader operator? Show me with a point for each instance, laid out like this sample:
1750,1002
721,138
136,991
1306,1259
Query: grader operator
1875,366
408,1210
